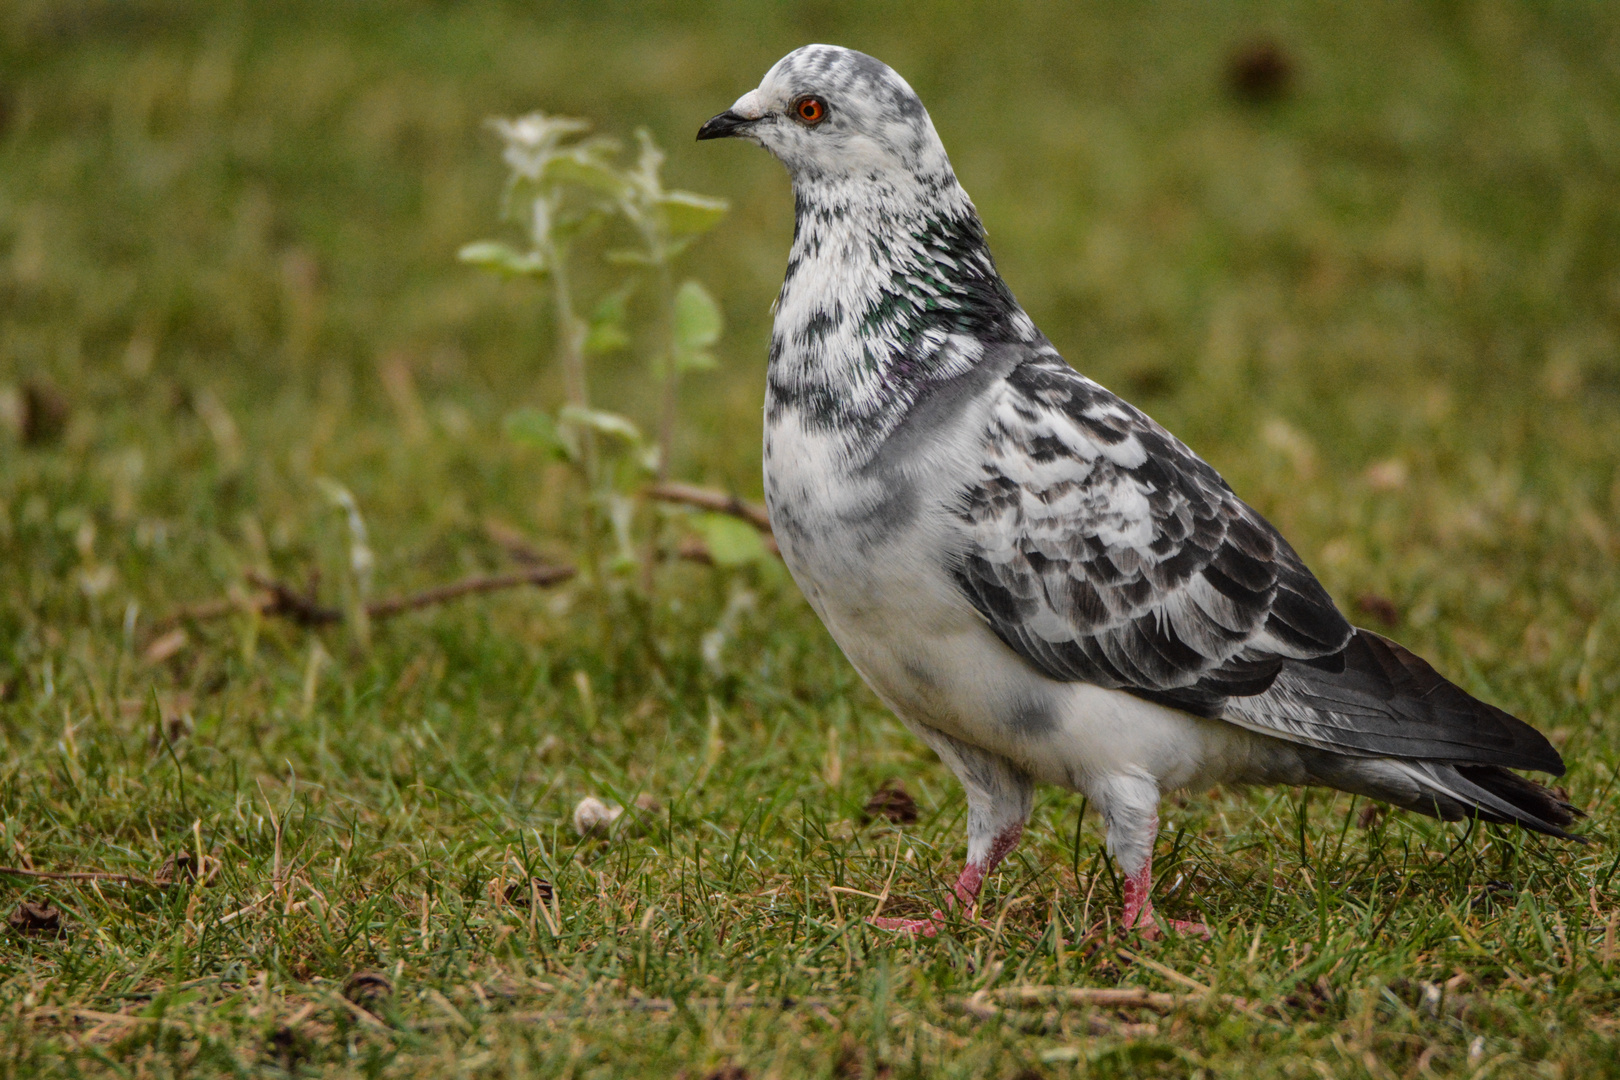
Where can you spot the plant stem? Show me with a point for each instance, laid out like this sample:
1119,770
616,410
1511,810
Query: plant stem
671,388
665,348
571,350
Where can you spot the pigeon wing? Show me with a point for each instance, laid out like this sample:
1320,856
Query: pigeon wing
1102,550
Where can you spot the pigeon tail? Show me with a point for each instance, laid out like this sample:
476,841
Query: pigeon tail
1452,792
1388,702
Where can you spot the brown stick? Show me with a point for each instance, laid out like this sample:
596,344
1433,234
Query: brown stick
721,503
278,598
985,1005
710,499
86,875
398,605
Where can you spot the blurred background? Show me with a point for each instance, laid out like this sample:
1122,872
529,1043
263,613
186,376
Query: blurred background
1365,257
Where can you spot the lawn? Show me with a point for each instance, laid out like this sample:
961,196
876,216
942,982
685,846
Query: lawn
1377,285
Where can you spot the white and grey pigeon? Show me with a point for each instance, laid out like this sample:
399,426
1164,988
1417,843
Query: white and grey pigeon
1040,581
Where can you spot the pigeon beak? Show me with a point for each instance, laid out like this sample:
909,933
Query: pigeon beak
725,125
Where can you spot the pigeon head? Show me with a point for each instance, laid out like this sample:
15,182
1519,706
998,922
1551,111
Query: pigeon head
834,113
890,285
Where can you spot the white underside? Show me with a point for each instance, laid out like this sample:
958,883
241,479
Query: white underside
917,641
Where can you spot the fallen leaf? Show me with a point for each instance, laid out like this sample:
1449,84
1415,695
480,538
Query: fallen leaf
45,412
1259,72
1381,608
164,647
37,920
893,802
182,866
365,988
521,893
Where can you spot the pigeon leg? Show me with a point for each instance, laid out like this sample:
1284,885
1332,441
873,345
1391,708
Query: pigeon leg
1139,911
1131,812
999,799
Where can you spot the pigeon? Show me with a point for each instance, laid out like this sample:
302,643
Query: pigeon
1042,583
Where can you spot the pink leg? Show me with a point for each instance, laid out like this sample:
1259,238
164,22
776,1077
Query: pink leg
1139,906
966,889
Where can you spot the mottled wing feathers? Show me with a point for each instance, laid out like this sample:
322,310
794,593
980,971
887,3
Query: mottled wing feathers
1103,550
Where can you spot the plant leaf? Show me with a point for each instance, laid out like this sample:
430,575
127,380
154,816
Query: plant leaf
731,542
607,331
536,429
502,258
688,214
697,319
597,420
695,360
588,170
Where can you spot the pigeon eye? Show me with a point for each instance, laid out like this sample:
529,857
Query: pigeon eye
810,110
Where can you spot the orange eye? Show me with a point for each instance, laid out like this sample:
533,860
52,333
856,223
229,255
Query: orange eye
810,110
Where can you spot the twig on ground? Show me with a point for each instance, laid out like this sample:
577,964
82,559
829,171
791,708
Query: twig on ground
709,499
985,1005
83,875
398,605
60,1012
279,598
719,502
365,1016
659,1005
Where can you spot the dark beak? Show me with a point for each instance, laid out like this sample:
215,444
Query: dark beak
723,126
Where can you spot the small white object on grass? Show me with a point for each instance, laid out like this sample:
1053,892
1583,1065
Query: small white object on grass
593,817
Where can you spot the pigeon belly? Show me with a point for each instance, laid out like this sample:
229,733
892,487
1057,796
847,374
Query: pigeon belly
872,560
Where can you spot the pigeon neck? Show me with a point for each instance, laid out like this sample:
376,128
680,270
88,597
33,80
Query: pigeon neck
890,286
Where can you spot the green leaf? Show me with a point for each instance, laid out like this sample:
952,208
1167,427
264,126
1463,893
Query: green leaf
503,258
731,541
605,423
697,318
537,430
687,214
600,340
587,168
607,331
695,360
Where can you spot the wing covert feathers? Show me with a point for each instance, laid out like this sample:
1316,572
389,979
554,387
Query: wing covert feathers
1102,550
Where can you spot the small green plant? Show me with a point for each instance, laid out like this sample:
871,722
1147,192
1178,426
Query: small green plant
565,185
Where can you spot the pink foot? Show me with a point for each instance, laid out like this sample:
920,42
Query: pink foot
1139,914
965,891
922,927
1151,926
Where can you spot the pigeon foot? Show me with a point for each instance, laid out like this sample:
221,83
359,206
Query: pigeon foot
928,927
1152,926
965,892
1139,913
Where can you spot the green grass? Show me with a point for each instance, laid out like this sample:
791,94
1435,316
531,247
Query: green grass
1386,307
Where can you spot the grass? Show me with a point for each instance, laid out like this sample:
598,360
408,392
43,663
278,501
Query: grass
1387,307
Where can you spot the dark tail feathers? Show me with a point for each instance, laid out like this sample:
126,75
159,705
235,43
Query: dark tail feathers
1532,805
